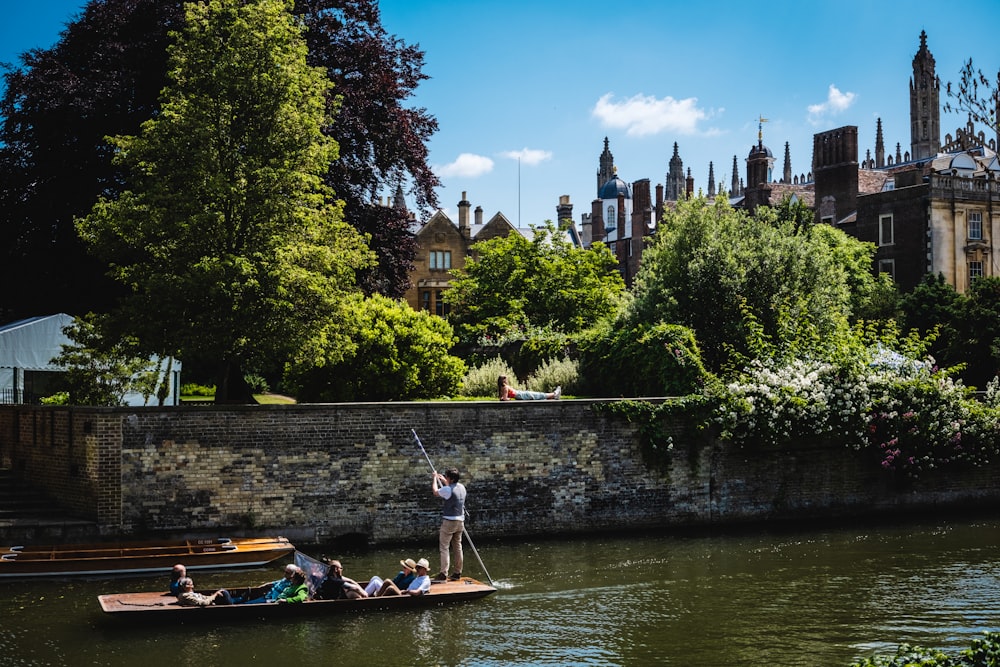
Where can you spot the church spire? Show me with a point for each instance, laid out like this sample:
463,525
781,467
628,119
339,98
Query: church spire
787,174
879,146
711,181
734,189
675,177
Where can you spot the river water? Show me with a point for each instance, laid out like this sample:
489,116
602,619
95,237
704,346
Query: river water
822,597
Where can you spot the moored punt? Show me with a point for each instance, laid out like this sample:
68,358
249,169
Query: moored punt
135,557
160,607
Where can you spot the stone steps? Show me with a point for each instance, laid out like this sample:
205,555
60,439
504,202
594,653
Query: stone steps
29,515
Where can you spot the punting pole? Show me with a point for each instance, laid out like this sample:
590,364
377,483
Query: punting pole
464,531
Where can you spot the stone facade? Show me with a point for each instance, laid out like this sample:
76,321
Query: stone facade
443,247
318,472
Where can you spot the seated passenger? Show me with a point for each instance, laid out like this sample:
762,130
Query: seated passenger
338,587
421,585
188,597
376,586
268,592
178,573
298,591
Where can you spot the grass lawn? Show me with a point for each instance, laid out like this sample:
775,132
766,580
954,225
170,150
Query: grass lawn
273,399
263,399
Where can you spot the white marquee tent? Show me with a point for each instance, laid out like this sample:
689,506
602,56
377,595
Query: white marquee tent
27,348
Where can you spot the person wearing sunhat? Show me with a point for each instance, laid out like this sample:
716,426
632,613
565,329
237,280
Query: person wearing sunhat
421,584
376,586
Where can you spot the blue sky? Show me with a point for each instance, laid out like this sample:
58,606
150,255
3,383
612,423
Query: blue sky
526,92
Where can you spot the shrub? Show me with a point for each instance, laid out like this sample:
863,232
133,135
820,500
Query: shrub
911,416
554,373
257,384
58,398
984,652
192,389
482,380
642,360
391,353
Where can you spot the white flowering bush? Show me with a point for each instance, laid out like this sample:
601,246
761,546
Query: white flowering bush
771,405
912,416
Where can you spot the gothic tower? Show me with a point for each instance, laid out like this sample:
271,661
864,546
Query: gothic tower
607,168
675,178
925,107
734,188
711,181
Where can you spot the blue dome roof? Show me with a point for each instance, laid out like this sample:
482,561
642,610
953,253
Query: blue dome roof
613,188
759,149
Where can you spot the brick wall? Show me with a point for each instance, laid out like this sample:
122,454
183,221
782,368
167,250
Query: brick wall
315,472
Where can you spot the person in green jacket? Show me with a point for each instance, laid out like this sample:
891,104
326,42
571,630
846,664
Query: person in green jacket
298,591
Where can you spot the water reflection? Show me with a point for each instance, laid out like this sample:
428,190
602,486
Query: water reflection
822,597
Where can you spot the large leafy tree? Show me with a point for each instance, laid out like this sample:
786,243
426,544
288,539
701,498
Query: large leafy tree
513,283
735,278
227,238
103,78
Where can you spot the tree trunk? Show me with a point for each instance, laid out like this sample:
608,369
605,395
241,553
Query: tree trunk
230,387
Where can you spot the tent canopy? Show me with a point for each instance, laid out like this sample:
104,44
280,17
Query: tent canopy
31,344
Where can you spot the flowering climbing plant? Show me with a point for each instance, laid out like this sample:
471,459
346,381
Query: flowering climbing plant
911,415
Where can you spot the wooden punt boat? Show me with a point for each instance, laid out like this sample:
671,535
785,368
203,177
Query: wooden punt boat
163,607
134,557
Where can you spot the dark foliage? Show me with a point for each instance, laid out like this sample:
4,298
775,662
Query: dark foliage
382,142
103,78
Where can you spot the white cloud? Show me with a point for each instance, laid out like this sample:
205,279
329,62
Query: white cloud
644,114
529,156
836,102
468,165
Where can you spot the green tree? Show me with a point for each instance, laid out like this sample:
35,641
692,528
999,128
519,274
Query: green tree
392,353
931,308
735,277
101,372
622,359
229,242
872,297
977,332
513,283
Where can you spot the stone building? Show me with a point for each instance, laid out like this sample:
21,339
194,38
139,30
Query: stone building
443,246
623,216
933,209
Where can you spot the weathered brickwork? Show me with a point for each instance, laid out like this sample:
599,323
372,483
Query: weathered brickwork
321,471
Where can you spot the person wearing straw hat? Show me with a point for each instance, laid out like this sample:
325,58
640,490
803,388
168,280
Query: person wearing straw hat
376,586
448,487
421,585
